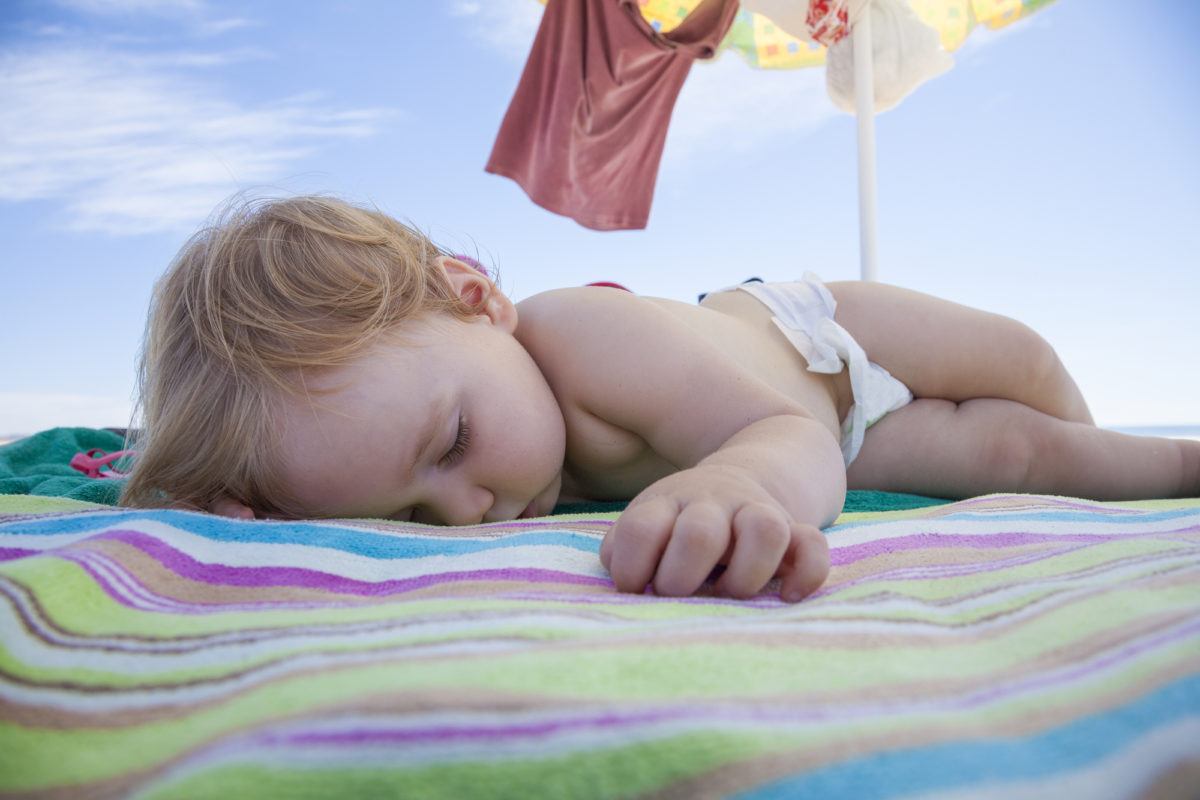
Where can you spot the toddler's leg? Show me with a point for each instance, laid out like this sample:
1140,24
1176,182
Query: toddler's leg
946,449
949,351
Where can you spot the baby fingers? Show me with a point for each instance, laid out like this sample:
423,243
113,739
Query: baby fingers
633,546
806,564
677,549
762,536
698,541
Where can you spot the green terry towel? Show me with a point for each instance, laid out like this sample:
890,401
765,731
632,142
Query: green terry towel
856,500
41,464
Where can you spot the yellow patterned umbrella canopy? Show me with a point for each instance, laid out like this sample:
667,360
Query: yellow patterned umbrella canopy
763,44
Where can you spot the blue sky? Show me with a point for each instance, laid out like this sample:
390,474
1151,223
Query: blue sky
1053,175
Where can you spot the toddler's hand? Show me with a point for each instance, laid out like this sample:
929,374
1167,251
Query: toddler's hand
682,526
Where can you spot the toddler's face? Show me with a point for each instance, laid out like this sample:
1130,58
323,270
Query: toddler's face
451,424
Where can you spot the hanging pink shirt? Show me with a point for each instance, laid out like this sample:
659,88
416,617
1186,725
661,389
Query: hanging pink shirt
585,130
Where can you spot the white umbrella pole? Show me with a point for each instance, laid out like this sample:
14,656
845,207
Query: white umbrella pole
864,103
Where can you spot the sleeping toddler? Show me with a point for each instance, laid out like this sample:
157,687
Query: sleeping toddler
310,358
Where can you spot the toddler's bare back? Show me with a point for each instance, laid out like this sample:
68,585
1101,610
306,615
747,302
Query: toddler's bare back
741,327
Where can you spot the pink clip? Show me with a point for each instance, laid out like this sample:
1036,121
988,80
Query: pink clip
92,463
611,285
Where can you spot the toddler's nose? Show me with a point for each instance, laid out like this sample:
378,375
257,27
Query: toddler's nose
469,506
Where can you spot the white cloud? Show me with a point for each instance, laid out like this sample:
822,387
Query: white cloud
23,413
218,26
134,144
729,106
195,14
134,6
506,25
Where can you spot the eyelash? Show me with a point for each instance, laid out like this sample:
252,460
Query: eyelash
461,442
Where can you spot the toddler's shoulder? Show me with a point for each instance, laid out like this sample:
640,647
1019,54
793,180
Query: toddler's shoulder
586,325
580,311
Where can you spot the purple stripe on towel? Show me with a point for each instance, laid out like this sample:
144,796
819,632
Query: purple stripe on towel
447,733
13,553
931,541
186,566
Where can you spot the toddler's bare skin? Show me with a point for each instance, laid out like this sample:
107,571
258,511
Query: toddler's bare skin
706,418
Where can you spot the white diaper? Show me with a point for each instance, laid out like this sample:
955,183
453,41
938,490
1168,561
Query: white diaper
803,310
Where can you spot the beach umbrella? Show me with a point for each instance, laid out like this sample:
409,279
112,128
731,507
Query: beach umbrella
875,51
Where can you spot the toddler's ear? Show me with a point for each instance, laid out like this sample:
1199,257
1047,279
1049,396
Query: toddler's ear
473,286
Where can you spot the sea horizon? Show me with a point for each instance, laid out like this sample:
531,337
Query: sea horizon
1166,431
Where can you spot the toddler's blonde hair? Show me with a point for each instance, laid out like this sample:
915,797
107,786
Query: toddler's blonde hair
266,291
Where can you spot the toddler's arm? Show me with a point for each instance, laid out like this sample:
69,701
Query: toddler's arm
758,475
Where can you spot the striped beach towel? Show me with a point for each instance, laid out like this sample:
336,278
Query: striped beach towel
1005,646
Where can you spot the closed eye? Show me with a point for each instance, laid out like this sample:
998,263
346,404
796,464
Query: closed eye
461,442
